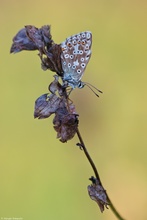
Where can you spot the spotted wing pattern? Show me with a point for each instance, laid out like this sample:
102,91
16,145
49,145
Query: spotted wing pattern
75,55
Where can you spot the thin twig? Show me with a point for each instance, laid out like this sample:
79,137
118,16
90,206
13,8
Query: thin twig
81,144
88,156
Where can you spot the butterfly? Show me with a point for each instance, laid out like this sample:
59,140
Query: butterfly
75,55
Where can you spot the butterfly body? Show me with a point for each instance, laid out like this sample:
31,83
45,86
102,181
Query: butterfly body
75,55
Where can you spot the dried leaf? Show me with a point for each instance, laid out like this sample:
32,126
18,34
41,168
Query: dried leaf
56,86
65,123
43,40
53,59
46,35
35,35
33,38
46,105
22,42
41,37
65,120
98,194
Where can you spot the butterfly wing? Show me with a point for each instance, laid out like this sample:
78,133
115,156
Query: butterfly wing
76,53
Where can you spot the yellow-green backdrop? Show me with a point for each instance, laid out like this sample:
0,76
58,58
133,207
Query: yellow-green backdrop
41,178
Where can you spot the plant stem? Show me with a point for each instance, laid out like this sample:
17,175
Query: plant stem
88,156
81,144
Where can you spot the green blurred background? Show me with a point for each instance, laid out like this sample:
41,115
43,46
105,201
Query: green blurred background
41,178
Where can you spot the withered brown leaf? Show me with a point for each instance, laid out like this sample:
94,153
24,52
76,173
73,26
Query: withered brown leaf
66,119
98,194
33,38
22,42
46,105
66,123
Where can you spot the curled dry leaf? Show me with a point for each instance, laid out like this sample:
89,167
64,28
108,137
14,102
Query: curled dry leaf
46,35
34,34
66,119
56,86
46,105
22,42
52,60
65,123
33,38
98,194
40,36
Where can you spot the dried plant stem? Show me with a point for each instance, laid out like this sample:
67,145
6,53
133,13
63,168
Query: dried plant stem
81,144
88,156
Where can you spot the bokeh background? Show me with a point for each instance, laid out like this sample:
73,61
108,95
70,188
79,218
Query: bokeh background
41,178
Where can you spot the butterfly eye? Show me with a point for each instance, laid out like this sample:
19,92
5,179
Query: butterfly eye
79,41
69,64
80,85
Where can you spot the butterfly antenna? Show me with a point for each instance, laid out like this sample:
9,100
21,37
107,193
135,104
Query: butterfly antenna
89,86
